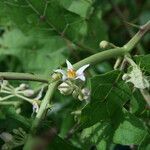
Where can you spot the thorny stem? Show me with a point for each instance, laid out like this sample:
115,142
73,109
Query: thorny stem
89,60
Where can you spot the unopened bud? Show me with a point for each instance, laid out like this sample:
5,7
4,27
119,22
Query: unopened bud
104,44
86,93
28,93
75,94
125,77
81,97
23,86
35,107
6,137
56,76
65,88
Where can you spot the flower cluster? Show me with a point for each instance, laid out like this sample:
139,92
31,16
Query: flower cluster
70,81
11,141
23,91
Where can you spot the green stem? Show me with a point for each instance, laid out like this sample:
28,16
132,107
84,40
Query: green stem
24,98
137,37
22,76
6,97
101,56
40,115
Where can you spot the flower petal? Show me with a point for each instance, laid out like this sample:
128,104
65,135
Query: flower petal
35,107
60,71
69,65
81,77
39,96
64,76
81,70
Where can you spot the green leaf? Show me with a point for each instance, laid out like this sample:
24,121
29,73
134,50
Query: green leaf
51,18
96,135
59,144
108,95
130,131
13,120
109,84
38,55
97,30
80,7
137,103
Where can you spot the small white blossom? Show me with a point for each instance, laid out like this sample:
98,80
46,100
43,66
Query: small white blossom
71,73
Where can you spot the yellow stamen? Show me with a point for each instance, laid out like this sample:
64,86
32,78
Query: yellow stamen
71,73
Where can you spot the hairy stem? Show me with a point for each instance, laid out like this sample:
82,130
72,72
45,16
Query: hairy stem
22,76
40,115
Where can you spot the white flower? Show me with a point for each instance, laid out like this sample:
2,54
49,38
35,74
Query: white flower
71,73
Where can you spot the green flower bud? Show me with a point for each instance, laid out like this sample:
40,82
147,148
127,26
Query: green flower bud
86,93
81,97
103,44
56,76
28,92
65,88
23,86
75,94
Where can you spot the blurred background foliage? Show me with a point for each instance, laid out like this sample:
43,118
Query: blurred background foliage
36,36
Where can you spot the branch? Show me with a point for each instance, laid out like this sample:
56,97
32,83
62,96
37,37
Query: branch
22,76
137,37
120,51
40,115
